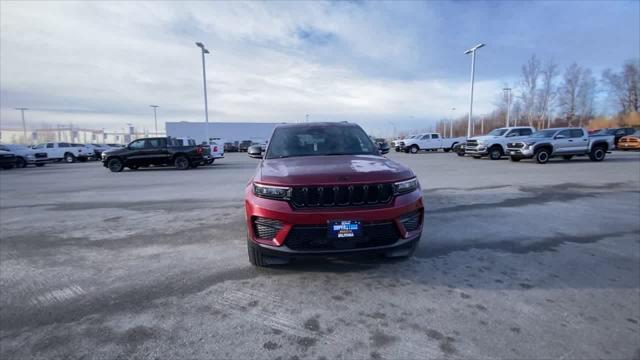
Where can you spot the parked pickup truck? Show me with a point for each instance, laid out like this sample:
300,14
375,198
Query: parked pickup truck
61,150
154,151
429,141
565,142
26,156
494,144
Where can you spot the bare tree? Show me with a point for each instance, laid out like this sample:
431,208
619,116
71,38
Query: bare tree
547,93
568,98
528,86
624,87
585,96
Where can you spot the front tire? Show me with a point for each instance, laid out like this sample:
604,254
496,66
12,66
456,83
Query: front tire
258,259
181,162
597,154
403,253
414,149
115,165
495,153
21,163
542,156
69,158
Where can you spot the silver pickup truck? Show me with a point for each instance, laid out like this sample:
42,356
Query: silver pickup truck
566,142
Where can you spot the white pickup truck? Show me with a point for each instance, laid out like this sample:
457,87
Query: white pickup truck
494,144
65,151
429,142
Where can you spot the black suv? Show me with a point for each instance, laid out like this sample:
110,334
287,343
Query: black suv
154,151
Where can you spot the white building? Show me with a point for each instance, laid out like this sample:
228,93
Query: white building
227,131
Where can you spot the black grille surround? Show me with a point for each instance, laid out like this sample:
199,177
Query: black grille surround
40,155
303,197
314,238
471,143
515,145
265,228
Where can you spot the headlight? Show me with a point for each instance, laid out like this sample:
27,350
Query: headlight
272,192
29,156
407,186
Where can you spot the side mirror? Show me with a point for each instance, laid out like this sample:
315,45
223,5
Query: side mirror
255,151
560,137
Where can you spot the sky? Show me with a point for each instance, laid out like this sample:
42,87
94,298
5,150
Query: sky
381,64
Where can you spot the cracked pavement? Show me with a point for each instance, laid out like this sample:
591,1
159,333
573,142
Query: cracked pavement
516,260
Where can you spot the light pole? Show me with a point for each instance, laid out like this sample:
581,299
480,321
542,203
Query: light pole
155,117
451,123
204,81
24,125
306,117
472,51
507,93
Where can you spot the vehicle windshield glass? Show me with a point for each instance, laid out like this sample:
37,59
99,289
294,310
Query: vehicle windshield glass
637,133
498,132
319,140
544,134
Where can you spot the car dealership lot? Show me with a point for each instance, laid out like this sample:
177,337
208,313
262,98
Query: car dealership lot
517,260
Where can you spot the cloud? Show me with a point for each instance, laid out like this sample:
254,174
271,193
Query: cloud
100,64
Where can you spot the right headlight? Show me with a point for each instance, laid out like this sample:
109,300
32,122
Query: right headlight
272,192
406,186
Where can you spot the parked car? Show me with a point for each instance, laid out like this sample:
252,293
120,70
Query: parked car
87,153
154,151
630,142
566,142
98,149
115,145
324,189
230,147
217,150
244,145
7,159
64,151
396,143
382,144
459,148
618,133
494,144
26,155
429,142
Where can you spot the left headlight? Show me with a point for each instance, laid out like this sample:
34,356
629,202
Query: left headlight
272,192
407,186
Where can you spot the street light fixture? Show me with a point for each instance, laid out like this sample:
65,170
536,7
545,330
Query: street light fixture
24,125
155,117
507,93
472,51
204,81
451,123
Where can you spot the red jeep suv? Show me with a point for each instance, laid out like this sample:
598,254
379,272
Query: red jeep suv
325,189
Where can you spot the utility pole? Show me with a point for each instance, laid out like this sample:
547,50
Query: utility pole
155,117
507,92
307,117
204,81
472,51
451,123
24,125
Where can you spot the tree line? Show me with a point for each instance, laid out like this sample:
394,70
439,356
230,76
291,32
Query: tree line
546,97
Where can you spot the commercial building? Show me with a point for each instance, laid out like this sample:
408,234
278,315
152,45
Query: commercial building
257,132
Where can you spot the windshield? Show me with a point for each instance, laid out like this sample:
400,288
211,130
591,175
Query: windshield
544,134
319,140
498,132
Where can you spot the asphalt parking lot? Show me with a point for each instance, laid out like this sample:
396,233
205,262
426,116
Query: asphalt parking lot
517,260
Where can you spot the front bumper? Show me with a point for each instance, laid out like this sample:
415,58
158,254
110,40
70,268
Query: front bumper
476,150
524,152
629,146
389,214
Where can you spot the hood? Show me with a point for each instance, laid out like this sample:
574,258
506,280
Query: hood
485,137
328,170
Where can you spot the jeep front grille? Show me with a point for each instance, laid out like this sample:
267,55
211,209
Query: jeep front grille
341,195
